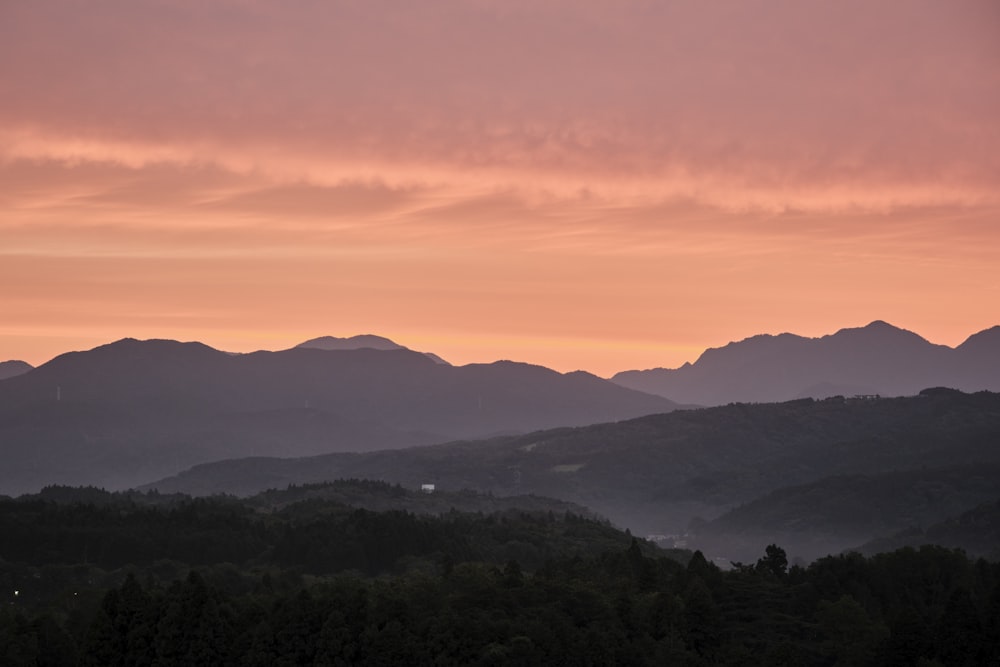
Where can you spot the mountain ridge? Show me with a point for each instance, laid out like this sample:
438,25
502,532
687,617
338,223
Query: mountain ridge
878,358
131,411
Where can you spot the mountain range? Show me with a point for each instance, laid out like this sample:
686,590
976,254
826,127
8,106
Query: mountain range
875,359
133,411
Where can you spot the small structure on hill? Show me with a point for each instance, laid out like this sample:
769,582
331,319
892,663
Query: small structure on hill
427,488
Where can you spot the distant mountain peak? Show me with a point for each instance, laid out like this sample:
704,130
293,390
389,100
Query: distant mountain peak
150,342
875,327
361,342
13,368
162,354
879,332
156,346
985,342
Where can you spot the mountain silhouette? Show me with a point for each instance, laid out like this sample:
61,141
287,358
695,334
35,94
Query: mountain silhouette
9,369
876,359
132,411
364,341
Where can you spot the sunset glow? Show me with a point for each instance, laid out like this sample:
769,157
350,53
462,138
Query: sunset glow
583,185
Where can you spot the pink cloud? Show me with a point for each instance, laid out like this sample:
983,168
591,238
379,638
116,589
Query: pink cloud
756,100
531,172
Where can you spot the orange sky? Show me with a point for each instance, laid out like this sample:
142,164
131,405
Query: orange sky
587,184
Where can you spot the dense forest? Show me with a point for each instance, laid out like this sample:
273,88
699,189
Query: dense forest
295,578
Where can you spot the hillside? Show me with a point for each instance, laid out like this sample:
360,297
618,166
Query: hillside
876,359
976,532
134,411
655,474
812,520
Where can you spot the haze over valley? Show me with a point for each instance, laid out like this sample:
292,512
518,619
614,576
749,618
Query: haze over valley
183,417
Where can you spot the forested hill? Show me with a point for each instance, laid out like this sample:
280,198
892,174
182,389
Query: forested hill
381,496
293,528
366,494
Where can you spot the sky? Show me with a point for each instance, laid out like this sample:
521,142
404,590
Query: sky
588,184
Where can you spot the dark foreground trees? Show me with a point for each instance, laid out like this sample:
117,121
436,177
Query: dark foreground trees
326,585
619,608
